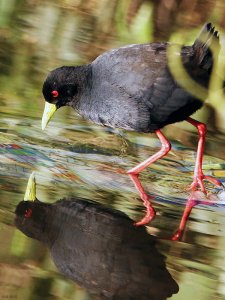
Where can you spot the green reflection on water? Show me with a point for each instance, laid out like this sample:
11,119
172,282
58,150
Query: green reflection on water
37,36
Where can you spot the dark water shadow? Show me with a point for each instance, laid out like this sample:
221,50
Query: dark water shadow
99,248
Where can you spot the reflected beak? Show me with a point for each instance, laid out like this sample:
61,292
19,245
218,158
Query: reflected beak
48,113
30,194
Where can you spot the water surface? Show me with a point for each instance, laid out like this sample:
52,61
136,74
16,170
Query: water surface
76,158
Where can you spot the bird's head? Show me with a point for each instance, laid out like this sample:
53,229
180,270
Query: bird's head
31,213
63,86
31,218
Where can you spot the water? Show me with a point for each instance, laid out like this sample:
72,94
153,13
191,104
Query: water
74,158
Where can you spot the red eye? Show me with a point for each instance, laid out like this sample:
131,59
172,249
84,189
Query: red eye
55,94
28,213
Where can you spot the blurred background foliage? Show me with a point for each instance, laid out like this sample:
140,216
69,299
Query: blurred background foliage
37,36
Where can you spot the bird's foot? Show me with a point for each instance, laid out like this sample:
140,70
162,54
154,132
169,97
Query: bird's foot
149,216
198,182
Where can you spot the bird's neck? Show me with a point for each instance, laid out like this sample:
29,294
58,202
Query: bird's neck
85,85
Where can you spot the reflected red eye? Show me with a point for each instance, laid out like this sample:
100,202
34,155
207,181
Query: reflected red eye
28,213
55,94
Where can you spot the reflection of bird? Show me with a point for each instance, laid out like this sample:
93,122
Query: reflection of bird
132,88
99,248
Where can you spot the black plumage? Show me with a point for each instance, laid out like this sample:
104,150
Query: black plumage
99,248
132,87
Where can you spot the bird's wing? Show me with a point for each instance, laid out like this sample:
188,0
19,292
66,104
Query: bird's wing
133,68
141,73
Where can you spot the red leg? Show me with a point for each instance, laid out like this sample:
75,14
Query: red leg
165,148
194,199
198,173
150,212
188,208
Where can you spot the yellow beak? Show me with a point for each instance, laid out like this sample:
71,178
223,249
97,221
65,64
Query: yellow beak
30,194
48,113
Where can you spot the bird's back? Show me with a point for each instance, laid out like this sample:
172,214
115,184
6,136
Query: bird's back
132,86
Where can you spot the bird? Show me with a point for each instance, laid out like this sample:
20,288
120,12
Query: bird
97,247
132,88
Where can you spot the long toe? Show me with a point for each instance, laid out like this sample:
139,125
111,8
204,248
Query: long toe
214,181
149,216
198,183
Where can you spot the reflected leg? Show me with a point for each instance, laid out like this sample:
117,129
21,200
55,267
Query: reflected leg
188,208
194,199
150,212
165,148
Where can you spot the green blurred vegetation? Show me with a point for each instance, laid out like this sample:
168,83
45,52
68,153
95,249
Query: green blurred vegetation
37,36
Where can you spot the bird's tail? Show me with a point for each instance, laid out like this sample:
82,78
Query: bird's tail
206,47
